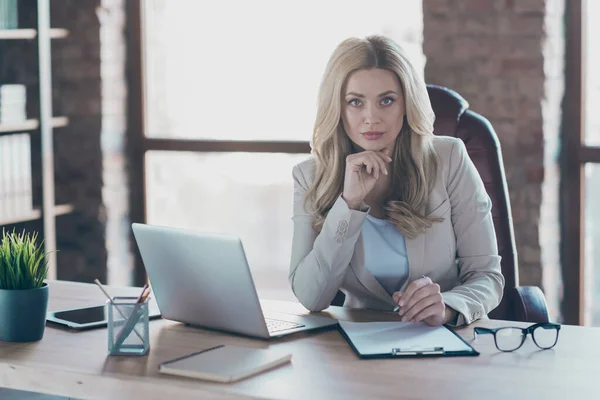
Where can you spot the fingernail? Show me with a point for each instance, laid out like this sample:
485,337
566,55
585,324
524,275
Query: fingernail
385,171
400,303
404,319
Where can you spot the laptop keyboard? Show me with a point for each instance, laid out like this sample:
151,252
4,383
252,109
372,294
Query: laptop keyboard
275,325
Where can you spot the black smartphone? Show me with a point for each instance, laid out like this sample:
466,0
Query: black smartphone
87,317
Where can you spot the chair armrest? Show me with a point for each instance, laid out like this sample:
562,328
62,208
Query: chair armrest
528,304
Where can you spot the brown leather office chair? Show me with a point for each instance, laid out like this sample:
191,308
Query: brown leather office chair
453,118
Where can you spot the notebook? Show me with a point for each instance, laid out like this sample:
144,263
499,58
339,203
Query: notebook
403,339
225,363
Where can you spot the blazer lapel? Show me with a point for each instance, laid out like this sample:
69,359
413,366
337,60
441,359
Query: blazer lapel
415,248
364,275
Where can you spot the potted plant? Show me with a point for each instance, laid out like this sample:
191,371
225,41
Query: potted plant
23,292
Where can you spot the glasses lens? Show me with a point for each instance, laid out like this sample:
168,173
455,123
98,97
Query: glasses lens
508,339
545,336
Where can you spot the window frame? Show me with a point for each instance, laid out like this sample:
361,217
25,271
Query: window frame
139,144
575,156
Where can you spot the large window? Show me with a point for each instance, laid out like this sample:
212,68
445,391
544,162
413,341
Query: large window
592,76
591,180
581,178
247,194
230,93
249,70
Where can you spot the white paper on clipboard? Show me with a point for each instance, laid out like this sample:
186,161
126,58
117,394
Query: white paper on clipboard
372,338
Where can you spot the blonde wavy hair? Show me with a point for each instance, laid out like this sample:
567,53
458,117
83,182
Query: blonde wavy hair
414,165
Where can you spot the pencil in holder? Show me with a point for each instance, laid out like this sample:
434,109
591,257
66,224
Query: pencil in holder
128,325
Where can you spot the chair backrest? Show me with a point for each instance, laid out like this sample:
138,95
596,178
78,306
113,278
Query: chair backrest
453,118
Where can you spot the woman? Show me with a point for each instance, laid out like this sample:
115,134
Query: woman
383,209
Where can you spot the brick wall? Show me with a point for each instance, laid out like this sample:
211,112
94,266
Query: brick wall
78,153
505,58
90,88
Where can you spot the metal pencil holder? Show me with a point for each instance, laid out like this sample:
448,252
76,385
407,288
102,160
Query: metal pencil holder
128,325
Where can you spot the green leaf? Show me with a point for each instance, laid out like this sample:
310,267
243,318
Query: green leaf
23,263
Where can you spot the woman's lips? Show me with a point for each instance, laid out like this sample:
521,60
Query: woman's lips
372,135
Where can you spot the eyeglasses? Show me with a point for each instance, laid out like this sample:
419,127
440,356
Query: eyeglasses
545,336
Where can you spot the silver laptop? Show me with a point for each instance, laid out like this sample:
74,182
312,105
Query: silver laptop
203,279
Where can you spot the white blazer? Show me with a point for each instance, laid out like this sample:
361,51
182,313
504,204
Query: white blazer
460,253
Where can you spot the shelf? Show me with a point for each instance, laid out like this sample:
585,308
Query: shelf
32,124
32,216
62,209
12,34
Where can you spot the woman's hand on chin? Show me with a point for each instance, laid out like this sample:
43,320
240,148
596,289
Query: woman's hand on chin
362,171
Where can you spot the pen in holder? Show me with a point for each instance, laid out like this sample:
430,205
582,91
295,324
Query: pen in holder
128,325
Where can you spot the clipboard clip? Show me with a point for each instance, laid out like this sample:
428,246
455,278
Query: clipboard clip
412,351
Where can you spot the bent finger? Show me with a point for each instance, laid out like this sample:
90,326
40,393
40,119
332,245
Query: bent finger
420,306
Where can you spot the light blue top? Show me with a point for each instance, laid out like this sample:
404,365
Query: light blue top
385,253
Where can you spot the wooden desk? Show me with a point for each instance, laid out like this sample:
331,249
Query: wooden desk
323,366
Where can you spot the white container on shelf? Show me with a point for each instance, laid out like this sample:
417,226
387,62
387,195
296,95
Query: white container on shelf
13,103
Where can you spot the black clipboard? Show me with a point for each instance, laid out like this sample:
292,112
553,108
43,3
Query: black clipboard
396,351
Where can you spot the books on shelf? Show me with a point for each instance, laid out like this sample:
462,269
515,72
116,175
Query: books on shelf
13,101
9,14
15,176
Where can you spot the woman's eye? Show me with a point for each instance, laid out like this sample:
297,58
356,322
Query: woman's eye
354,102
386,101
